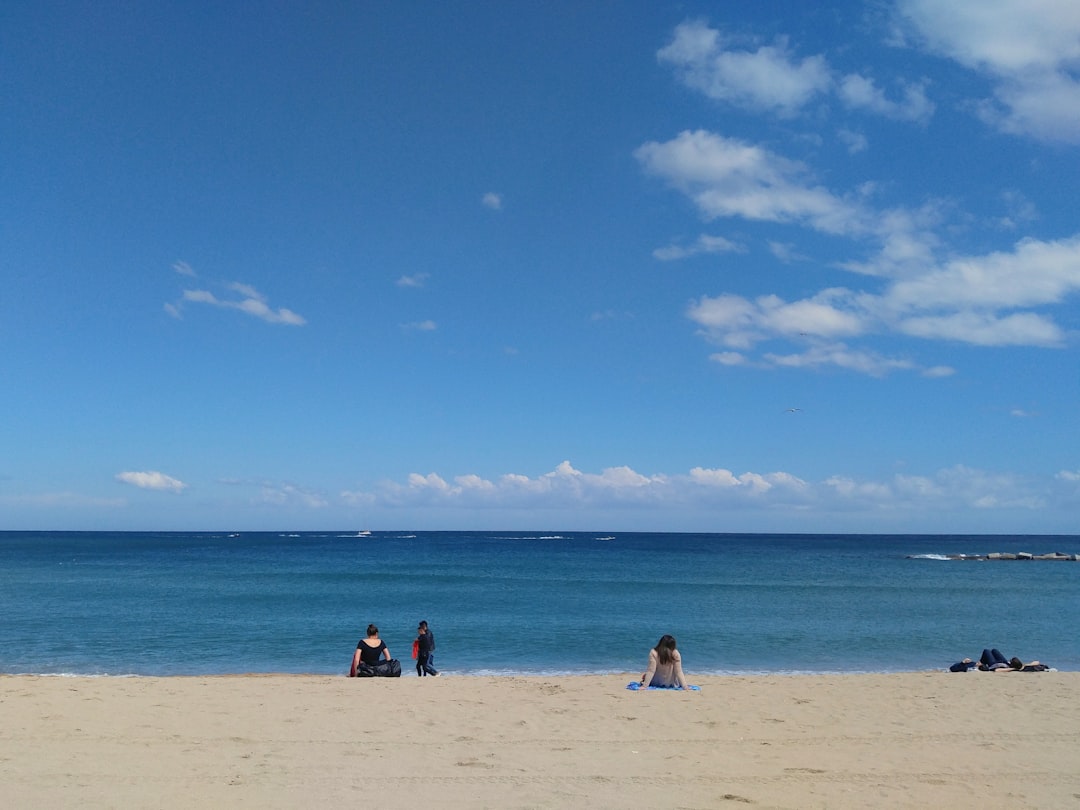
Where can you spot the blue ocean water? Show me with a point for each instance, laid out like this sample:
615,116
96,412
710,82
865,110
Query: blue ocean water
527,603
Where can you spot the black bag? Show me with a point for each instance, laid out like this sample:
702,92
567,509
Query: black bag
388,669
383,669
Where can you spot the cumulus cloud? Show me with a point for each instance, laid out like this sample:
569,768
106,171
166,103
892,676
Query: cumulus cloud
492,200
727,177
563,486
152,480
993,299
922,288
771,78
978,300
1034,273
715,486
739,322
1030,49
768,78
860,92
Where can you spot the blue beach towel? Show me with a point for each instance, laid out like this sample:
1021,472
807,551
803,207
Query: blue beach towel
635,686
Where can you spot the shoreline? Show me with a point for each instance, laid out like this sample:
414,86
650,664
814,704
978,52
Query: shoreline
911,739
407,673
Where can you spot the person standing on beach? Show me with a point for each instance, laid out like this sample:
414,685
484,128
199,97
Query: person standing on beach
425,650
665,665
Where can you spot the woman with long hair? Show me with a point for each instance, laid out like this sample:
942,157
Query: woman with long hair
665,665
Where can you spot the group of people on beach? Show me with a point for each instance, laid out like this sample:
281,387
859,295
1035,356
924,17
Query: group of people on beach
372,653
664,669
992,660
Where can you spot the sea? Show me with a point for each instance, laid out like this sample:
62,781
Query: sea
527,603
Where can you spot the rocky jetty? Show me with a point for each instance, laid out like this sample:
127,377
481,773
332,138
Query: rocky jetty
1019,555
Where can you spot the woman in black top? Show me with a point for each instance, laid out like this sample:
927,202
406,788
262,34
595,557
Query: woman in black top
369,650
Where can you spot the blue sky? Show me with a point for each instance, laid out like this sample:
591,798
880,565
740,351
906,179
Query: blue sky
598,266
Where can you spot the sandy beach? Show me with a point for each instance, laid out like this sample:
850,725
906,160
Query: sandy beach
843,741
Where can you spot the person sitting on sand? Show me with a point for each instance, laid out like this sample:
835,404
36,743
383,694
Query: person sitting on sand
369,650
665,665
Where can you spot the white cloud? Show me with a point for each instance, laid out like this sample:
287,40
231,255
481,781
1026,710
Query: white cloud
1019,209
982,300
938,372
752,483
415,280
840,356
785,252
420,326
250,301
285,494
860,92
492,200
1005,36
717,487
729,358
768,78
985,329
152,480
737,322
1034,273
726,177
979,300
1029,48
562,486
183,268
703,244
854,141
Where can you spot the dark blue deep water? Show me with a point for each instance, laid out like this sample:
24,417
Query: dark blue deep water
527,603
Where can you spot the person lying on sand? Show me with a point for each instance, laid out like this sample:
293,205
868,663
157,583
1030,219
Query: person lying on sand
993,661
